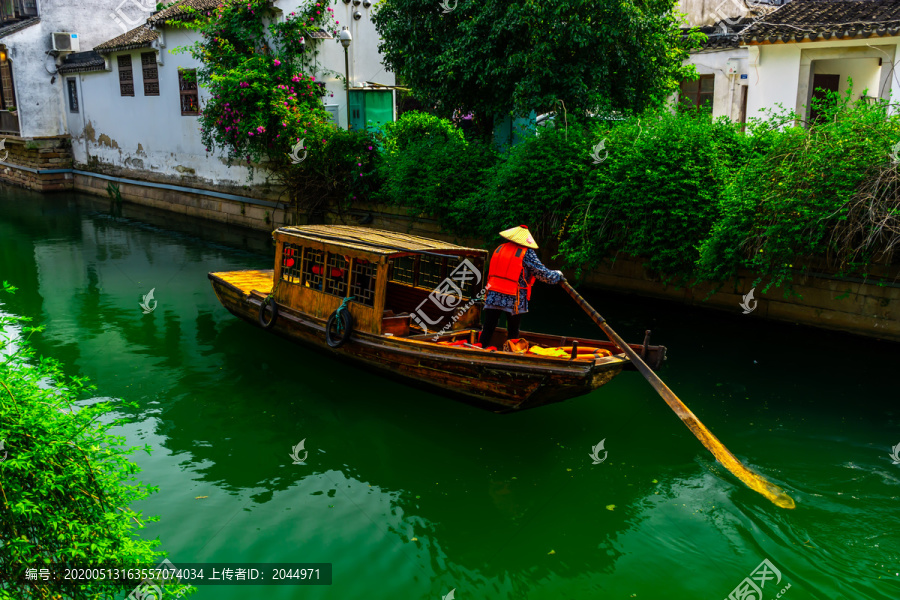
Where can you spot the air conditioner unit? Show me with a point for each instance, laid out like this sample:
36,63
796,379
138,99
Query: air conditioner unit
65,42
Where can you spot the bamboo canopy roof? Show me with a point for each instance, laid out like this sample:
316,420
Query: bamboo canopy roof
376,241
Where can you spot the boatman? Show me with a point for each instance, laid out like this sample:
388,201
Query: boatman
513,268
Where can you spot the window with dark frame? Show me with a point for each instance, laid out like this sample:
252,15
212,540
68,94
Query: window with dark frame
190,99
126,75
465,279
362,282
6,85
290,263
72,86
699,92
431,271
403,270
313,267
336,275
150,71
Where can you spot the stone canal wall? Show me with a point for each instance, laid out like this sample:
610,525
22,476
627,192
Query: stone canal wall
40,164
851,305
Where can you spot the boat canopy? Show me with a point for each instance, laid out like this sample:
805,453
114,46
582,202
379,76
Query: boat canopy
374,241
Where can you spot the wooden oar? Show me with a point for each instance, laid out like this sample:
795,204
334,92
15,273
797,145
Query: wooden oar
755,482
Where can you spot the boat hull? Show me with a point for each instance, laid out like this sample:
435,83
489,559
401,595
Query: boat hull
500,382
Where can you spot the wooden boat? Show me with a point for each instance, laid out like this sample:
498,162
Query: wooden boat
406,295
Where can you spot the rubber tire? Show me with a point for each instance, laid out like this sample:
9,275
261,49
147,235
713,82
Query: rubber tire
345,334
262,313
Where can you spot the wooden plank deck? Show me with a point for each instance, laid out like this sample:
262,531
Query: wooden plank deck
249,281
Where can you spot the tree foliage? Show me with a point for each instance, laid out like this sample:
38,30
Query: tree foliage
508,58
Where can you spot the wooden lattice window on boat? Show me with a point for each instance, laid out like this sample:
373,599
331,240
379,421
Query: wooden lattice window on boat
290,263
313,266
468,276
403,270
337,275
126,75
431,271
151,73
362,283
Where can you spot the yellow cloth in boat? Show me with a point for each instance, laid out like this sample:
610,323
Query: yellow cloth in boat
555,352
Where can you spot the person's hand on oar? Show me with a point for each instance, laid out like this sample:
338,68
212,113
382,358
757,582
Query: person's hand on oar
754,481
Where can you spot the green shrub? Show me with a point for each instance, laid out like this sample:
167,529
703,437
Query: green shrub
795,202
65,484
415,126
536,183
428,166
657,194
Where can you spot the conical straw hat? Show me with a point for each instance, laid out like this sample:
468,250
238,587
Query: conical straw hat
520,235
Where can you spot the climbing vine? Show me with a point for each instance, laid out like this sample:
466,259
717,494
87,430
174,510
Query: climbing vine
265,105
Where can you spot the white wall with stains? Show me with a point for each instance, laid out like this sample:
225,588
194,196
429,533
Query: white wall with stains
39,93
145,132
148,133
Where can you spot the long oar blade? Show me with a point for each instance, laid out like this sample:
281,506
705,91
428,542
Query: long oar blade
753,480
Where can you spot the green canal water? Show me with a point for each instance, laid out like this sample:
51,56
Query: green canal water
410,495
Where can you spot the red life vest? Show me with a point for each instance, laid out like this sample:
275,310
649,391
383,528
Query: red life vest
505,268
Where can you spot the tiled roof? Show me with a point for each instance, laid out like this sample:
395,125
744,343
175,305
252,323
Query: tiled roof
139,37
18,26
182,12
723,34
810,20
82,62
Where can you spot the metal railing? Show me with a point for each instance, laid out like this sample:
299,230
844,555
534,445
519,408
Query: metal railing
16,10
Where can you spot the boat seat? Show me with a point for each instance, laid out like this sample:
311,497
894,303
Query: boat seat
397,325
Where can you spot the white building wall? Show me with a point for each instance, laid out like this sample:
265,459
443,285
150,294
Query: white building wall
149,133
38,92
863,72
364,59
145,132
774,80
726,88
783,75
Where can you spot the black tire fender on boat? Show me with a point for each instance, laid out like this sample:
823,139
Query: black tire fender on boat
347,321
270,302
